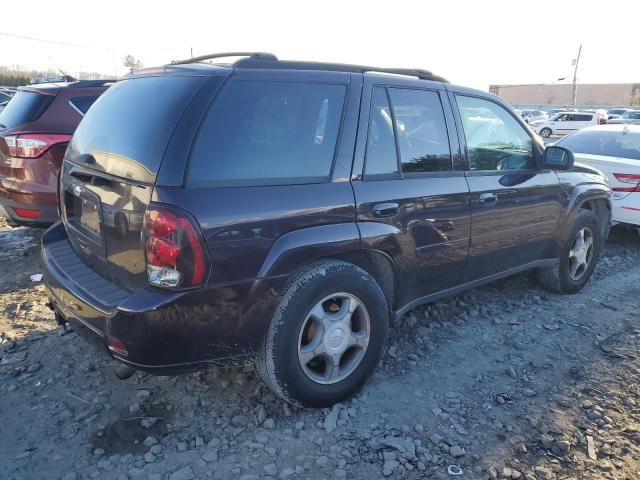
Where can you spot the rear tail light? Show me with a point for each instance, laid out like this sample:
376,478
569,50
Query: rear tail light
174,249
630,178
32,145
27,212
602,121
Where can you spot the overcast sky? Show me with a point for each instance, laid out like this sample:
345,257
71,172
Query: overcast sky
474,43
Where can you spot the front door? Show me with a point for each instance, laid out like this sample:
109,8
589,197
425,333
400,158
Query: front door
412,203
515,206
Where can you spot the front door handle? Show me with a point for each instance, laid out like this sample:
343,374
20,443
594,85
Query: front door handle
488,199
382,210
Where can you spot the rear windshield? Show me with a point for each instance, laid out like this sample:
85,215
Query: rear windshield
609,143
128,128
266,132
23,108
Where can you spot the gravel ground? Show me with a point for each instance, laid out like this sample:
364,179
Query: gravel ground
506,381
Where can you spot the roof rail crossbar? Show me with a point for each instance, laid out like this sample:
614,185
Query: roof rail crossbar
201,58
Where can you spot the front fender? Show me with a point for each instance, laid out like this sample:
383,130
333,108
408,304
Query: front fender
296,249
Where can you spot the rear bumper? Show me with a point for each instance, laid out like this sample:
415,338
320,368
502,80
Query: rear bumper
627,210
14,197
163,332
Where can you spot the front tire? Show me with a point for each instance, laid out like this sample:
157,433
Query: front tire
578,258
327,335
545,132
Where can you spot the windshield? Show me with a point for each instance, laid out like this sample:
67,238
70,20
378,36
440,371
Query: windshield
623,144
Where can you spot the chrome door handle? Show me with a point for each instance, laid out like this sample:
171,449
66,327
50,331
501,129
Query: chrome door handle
488,199
386,210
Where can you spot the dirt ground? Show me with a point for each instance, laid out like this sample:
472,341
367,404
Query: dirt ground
505,381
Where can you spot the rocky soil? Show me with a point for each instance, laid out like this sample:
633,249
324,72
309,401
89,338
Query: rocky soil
503,382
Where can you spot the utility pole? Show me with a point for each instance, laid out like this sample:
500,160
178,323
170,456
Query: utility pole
575,76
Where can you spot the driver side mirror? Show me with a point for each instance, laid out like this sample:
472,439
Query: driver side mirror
558,158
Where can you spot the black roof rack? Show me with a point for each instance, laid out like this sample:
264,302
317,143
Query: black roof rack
270,61
202,58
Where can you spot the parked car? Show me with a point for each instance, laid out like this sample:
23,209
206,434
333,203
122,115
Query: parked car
618,112
35,128
631,117
534,116
288,210
614,150
566,122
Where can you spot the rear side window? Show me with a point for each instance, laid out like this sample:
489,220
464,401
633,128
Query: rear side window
82,104
259,132
24,107
582,118
128,128
381,157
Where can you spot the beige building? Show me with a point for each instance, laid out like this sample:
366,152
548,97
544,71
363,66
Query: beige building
610,94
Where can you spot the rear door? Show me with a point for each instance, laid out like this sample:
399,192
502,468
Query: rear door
411,194
515,206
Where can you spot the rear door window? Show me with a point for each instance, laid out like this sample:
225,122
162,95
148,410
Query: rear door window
422,131
23,108
268,132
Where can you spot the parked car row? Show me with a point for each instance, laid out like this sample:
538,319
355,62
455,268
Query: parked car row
283,212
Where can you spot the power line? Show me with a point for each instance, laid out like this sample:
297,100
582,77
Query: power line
24,37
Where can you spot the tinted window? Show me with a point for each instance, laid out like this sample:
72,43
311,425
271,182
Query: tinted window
128,128
24,107
381,146
421,130
495,140
259,131
82,104
582,118
600,142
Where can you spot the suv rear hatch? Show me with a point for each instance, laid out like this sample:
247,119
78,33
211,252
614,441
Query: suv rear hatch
110,169
25,107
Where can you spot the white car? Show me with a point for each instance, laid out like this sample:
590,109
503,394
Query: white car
615,151
567,122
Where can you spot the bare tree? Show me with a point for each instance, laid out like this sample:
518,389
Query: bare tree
132,63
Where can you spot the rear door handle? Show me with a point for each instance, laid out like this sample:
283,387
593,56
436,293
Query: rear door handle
488,199
382,210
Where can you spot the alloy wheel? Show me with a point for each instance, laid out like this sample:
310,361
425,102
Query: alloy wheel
334,338
581,253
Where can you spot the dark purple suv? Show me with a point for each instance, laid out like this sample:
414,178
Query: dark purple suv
282,212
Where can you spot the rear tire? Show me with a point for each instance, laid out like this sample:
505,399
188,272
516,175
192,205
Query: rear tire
577,260
545,132
312,356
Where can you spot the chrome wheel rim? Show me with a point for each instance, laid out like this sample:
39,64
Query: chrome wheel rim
334,338
545,133
581,254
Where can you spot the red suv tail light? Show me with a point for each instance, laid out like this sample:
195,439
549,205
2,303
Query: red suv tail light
630,178
32,145
174,249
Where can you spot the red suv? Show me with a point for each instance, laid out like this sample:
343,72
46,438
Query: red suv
35,128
